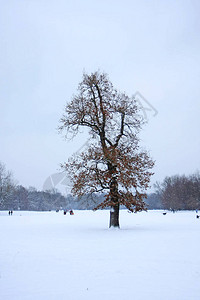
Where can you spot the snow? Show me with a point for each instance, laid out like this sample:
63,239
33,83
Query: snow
46,255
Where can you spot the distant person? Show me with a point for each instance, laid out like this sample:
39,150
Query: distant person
9,212
65,212
71,212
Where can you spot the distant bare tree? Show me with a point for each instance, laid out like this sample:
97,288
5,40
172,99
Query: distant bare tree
7,185
180,192
113,163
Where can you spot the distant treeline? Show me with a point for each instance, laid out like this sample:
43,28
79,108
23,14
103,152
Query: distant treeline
21,198
180,192
174,193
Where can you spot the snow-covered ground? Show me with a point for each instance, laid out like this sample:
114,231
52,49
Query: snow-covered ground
46,255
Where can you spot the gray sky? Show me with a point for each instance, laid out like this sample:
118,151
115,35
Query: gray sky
148,46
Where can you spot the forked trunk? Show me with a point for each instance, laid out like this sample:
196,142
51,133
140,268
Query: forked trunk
114,216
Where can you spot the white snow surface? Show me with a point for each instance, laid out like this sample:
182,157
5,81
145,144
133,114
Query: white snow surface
46,255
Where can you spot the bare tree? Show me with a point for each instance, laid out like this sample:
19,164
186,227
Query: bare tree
7,186
180,192
113,163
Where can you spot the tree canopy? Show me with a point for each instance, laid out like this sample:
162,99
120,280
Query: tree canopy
113,162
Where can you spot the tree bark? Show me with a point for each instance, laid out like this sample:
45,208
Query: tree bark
114,216
114,212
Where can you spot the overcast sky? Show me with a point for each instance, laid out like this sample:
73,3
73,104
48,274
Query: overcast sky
148,46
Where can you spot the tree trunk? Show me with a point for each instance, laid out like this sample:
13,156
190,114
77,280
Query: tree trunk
114,216
114,212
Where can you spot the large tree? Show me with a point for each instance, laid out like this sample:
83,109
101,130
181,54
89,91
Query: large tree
113,163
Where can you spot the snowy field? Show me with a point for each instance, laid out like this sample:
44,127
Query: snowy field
46,255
